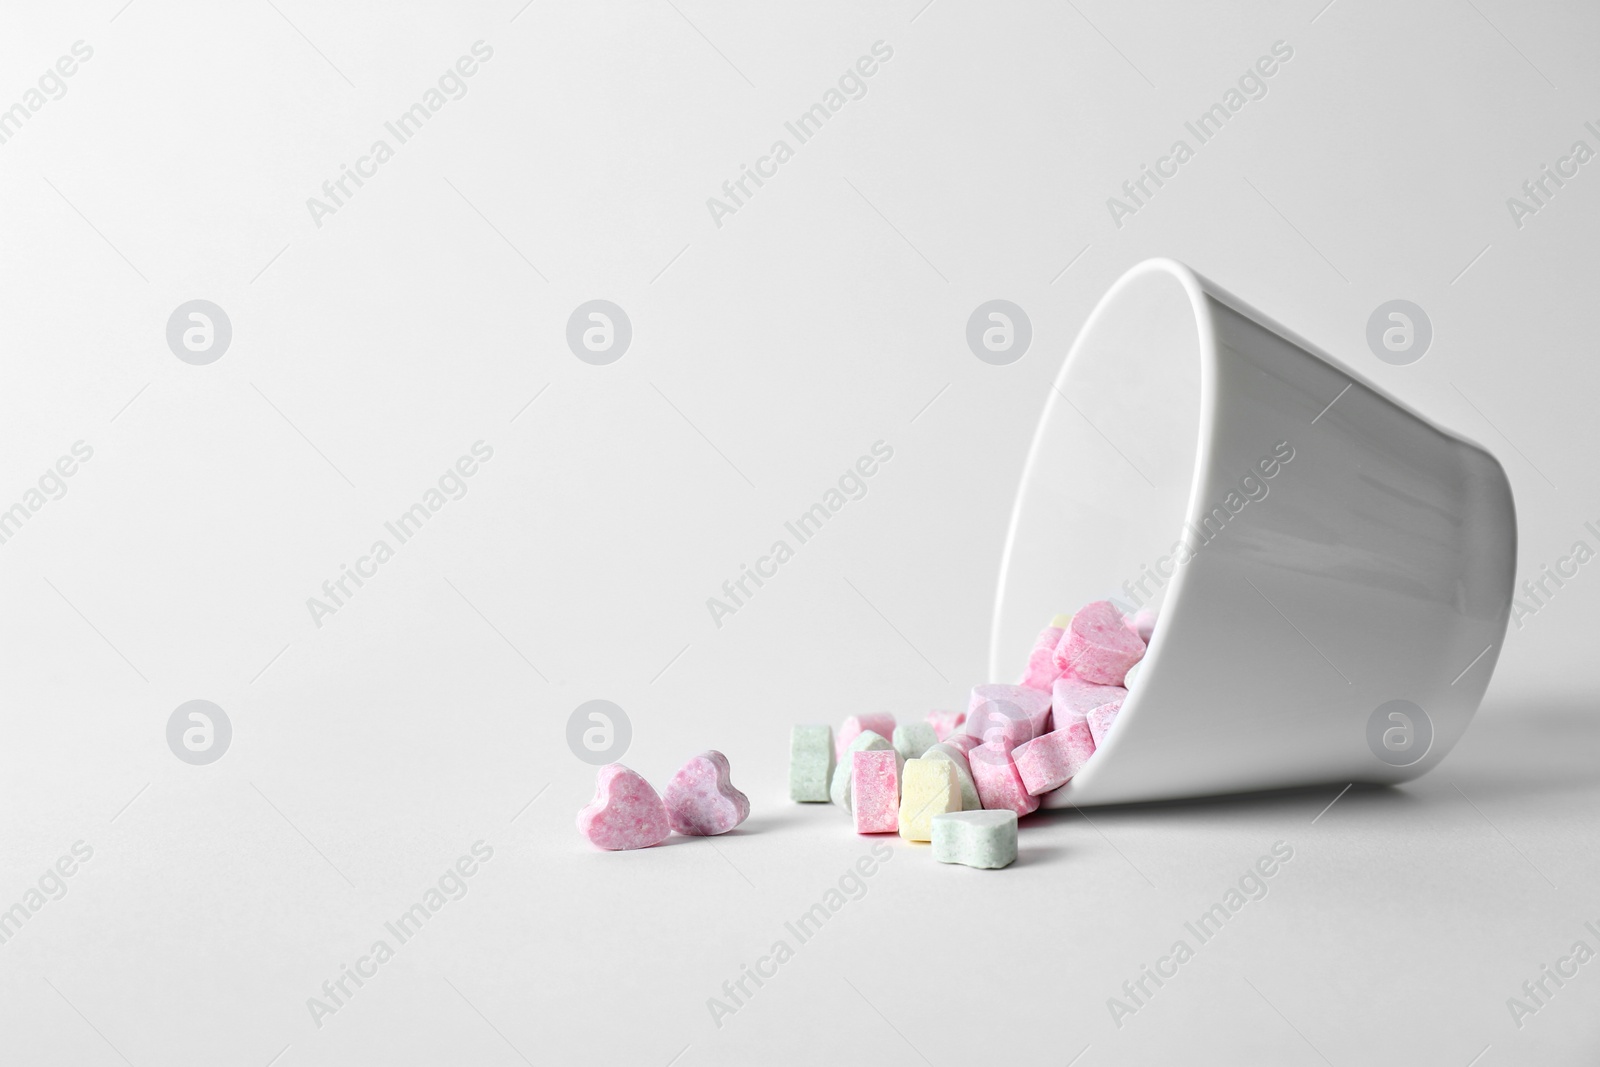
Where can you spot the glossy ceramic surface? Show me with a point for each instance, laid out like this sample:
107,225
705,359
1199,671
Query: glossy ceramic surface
1317,550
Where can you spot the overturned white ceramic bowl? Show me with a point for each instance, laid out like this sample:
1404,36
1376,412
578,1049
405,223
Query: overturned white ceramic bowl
1335,620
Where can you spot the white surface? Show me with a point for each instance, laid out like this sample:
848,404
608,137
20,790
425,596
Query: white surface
825,315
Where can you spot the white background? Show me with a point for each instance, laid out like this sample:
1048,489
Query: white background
768,354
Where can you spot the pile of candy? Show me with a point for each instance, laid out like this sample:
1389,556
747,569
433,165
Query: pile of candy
957,779
960,780
626,811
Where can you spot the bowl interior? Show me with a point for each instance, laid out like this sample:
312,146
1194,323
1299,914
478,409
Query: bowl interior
1106,488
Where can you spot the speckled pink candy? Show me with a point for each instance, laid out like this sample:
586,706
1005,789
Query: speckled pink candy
1072,699
1042,668
625,812
963,741
945,723
995,774
1101,719
879,722
1098,646
875,791
701,801
1019,712
1050,760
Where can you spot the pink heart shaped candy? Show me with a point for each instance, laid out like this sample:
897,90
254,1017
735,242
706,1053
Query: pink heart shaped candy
702,801
1098,646
625,812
